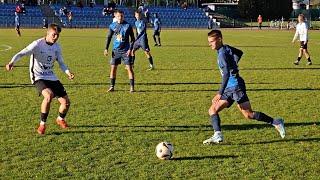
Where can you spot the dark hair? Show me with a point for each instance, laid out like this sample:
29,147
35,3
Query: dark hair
137,11
119,11
55,27
215,33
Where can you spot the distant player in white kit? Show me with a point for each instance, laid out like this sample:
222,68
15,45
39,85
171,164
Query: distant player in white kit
302,32
43,52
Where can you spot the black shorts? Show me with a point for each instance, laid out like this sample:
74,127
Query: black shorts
55,86
117,57
143,44
303,46
237,94
156,33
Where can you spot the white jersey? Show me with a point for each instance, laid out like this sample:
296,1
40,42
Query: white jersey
301,31
42,57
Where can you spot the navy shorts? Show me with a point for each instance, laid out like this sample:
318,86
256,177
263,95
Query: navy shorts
55,86
117,57
156,33
143,44
237,94
303,46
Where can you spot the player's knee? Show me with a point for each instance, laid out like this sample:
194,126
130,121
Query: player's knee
48,97
212,111
248,115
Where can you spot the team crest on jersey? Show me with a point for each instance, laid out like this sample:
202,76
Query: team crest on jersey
119,37
49,58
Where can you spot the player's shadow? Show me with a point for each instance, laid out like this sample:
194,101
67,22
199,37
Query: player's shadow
174,128
197,158
294,140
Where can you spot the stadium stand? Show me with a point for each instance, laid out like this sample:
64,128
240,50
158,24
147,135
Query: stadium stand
87,17
32,18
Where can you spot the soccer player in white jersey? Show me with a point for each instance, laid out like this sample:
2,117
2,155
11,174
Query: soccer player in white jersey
302,32
43,52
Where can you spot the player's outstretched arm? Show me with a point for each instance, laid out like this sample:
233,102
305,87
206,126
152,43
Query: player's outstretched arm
26,51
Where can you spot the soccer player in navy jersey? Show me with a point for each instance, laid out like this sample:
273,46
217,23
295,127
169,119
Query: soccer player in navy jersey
232,89
17,23
157,30
142,39
121,31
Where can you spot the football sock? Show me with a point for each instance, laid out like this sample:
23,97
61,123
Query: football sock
62,116
215,122
309,59
112,82
299,58
150,60
132,59
132,82
159,40
43,117
260,116
154,38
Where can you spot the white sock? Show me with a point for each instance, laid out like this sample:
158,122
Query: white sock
42,123
60,118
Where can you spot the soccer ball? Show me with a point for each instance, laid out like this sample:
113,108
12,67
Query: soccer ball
164,150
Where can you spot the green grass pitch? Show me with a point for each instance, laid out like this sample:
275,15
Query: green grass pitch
114,135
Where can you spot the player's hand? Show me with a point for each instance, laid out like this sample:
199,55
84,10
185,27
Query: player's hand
70,75
9,66
216,99
105,52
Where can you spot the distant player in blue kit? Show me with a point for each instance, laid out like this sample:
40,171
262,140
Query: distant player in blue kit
157,30
17,23
232,89
121,31
142,39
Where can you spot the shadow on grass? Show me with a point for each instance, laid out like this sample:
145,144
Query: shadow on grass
294,140
178,128
202,157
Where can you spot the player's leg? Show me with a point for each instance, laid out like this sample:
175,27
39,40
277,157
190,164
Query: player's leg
246,110
307,55
159,41
128,62
63,110
300,54
113,75
131,76
214,109
154,39
45,108
146,49
114,62
18,31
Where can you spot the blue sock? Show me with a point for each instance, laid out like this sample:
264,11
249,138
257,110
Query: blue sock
112,82
216,122
132,82
260,116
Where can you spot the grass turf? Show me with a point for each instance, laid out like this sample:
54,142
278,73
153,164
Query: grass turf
113,135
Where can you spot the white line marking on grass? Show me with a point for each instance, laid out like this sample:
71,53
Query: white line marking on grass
6,47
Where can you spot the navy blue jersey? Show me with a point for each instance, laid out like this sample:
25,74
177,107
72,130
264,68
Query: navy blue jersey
228,58
156,24
141,29
121,34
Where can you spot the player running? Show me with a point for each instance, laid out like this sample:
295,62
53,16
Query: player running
232,89
302,32
121,31
43,52
157,30
17,23
142,39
